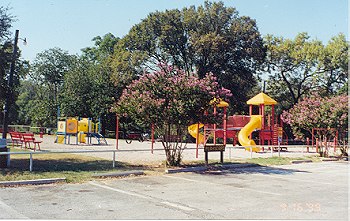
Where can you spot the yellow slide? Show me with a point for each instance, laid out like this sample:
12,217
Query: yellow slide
243,135
193,130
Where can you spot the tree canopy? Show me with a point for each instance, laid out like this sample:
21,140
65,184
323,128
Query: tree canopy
210,38
301,66
6,20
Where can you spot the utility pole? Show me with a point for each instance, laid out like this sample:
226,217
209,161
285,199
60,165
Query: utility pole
9,100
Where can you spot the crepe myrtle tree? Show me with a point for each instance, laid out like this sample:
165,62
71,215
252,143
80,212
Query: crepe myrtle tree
317,112
171,100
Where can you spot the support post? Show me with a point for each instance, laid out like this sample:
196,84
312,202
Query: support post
279,148
152,138
271,148
214,127
197,140
273,116
250,114
9,101
335,142
30,162
116,131
225,126
113,159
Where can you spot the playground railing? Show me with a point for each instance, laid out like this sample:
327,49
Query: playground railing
59,152
304,149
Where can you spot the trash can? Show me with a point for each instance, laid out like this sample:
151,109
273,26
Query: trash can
4,159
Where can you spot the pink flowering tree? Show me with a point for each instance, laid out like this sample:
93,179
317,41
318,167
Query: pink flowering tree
317,112
171,100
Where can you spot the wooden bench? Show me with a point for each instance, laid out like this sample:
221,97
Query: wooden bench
16,137
29,138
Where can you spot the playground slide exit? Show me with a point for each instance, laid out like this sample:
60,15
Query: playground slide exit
193,130
243,135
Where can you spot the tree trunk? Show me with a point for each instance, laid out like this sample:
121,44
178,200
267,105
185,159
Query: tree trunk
173,146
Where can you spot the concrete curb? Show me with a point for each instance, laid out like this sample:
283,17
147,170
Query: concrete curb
189,169
206,168
31,182
121,174
241,165
300,161
331,159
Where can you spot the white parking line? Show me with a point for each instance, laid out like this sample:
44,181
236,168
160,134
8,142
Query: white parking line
241,188
185,208
175,205
119,190
8,212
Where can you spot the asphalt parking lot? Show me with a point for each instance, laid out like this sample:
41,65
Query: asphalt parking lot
298,191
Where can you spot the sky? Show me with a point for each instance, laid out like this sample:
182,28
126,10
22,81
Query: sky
72,24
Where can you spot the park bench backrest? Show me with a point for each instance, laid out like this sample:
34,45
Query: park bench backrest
16,135
27,137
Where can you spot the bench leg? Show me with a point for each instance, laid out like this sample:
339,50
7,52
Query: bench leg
221,157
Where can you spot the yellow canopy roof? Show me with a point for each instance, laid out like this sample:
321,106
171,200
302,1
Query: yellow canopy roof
261,98
220,104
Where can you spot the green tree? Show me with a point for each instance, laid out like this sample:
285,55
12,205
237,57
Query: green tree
87,91
210,38
6,20
105,90
292,64
48,70
6,57
333,68
300,66
103,49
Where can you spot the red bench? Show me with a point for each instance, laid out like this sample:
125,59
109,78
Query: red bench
16,137
29,138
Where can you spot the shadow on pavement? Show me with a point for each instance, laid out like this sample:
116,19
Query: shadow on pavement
248,168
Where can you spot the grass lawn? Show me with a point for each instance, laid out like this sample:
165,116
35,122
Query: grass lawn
278,160
74,167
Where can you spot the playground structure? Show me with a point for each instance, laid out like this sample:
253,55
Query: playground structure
240,127
83,129
260,127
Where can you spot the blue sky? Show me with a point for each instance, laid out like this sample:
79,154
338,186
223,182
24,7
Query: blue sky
71,24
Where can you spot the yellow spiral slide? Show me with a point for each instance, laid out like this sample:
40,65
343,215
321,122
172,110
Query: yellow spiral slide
243,135
193,131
